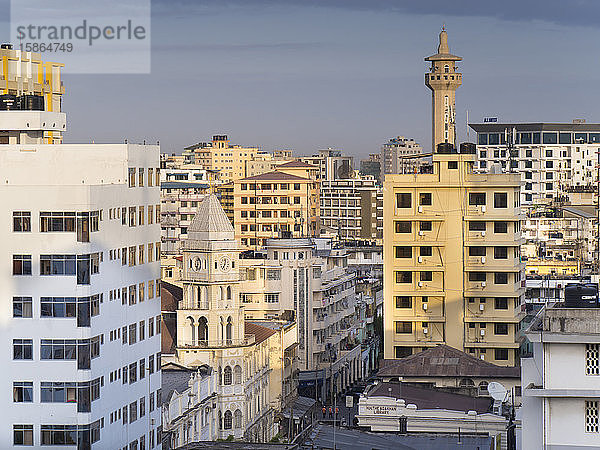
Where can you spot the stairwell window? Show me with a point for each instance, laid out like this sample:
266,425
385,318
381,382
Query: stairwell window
592,414
403,302
500,200
403,277
403,327
592,359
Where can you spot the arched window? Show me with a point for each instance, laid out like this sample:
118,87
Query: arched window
193,330
229,330
227,420
205,297
446,68
220,421
227,375
228,292
466,382
221,293
199,297
483,388
203,330
237,416
237,374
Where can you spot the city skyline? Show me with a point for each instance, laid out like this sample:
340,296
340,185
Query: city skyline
308,77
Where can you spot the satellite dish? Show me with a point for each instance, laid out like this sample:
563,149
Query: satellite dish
497,391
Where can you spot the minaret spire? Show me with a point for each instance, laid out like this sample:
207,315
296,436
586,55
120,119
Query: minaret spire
443,80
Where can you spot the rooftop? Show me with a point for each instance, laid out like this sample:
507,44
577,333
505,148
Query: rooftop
495,127
260,332
275,175
428,398
444,361
210,221
569,322
297,165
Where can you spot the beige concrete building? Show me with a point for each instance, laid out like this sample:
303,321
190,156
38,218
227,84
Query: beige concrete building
402,155
452,268
279,203
443,80
220,155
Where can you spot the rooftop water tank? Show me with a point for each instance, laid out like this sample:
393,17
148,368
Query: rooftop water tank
581,295
445,148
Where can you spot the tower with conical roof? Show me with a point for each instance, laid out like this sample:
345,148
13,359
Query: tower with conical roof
443,80
210,315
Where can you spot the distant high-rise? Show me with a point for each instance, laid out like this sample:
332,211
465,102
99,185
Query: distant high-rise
443,80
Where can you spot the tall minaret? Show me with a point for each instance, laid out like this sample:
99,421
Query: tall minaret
443,80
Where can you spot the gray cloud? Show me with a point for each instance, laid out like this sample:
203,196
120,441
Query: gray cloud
563,12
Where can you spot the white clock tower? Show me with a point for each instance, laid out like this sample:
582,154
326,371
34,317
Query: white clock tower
210,315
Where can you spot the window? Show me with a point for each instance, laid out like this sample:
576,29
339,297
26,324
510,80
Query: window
426,251
227,375
403,226
476,251
141,176
57,264
477,276
132,334
500,252
500,200
133,412
272,298
501,303
273,274
476,225
452,164
402,352
403,302
23,392
403,251
57,222
477,198
592,414
592,359
132,373
21,264
425,226
501,278
23,435
141,215
21,221
501,354
22,307
22,349
403,327
425,199
403,200
142,326
501,328
426,276
58,307
549,138
403,277
500,227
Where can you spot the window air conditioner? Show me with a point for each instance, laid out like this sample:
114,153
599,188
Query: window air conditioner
481,307
483,284
420,284
482,332
482,358
424,306
483,234
420,209
483,208
420,259
421,233
483,260
425,330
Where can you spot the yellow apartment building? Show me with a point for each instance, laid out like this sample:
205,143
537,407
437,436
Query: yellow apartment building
220,155
283,202
452,267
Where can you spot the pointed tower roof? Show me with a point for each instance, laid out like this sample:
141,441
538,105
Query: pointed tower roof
443,53
210,222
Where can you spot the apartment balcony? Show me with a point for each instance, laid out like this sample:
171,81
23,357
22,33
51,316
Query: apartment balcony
490,264
489,238
474,338
249,339
202,306
488,288
485,212
485,312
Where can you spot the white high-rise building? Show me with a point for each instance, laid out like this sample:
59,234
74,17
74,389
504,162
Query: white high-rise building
80,278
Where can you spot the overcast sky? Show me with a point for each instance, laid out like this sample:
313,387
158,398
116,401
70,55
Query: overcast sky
346,74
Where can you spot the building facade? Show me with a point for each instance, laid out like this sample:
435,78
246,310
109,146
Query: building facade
443,80
452,268
402,155
556,161
351,208
561,395
211,328
331,164
81,283
275,204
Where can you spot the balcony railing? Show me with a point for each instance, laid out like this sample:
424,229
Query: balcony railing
249,339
